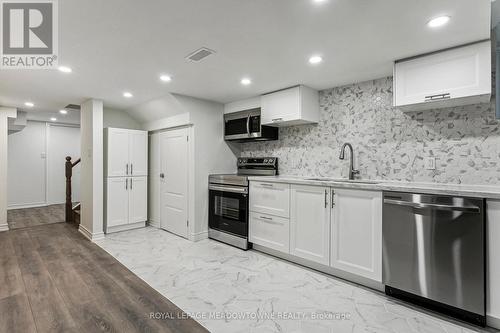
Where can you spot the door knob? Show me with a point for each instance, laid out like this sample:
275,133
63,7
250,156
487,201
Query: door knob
162,175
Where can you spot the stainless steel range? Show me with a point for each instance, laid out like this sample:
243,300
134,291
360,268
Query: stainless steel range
228,200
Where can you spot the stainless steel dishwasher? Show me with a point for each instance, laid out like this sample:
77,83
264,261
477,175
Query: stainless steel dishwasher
434,253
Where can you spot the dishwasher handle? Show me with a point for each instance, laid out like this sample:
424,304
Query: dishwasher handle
468,209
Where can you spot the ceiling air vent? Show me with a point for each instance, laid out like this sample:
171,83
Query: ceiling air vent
72,106
199,54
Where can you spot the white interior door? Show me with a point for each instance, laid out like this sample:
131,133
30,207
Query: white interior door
138,153
138,194
174,183
62,141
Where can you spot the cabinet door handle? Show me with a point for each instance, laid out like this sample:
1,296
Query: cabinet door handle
276,119
437,97
132,168
267,185
131,182
126,183
248,125
333,198
266,218
126,169
326,198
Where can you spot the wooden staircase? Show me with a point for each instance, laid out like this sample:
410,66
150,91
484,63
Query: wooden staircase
72,211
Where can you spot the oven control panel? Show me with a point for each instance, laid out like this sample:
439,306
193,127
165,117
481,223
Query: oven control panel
257,161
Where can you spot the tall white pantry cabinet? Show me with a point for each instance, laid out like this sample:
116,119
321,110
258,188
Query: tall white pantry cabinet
126,179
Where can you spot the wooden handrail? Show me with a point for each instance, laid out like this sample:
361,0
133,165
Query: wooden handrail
69,173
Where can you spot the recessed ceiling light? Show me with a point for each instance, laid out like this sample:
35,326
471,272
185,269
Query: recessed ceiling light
319,1
53,119
29,104
438,21
165,78
315,59
246,81
64,69
63,112
127,95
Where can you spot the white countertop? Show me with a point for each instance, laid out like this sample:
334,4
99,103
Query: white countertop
477,191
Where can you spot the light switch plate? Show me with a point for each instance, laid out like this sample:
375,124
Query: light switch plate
430,163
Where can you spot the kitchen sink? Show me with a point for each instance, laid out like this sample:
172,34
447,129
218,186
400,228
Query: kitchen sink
341,180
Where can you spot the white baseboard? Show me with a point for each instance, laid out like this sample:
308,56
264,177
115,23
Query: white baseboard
322,268
4,227
493,321
24,206
198,236
125,227
153,223
89,235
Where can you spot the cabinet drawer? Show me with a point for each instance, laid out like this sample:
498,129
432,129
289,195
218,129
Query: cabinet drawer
270,198
270,231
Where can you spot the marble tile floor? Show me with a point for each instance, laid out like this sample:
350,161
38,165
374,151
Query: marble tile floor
229,290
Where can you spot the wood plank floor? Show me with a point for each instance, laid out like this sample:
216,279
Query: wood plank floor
30,217
53,280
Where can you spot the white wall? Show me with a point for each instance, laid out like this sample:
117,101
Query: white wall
36,159
62,141
211,153
119,119
92,170
5,113
154,180
27,166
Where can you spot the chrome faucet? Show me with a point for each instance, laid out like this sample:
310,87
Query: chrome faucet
352,172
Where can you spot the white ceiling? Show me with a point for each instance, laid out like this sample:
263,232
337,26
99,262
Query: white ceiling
72,117
118,45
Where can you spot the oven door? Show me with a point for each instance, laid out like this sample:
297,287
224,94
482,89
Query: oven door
228,209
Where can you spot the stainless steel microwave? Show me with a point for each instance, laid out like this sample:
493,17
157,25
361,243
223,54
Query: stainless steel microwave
246,126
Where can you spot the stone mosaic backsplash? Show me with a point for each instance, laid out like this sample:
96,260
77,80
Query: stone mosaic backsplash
389,144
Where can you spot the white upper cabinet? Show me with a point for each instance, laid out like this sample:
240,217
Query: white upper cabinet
138,153
292,106
245,104
117,152
356,237
127,152
458,76
310,223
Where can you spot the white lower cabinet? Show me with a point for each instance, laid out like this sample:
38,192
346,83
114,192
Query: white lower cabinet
340,228
270,198
126,203
269,231
117,200
138,205
492,263
310,223
356,237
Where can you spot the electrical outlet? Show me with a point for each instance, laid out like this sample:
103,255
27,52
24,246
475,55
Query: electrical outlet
430,163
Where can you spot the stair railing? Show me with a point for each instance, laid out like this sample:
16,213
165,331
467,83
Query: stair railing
69,173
